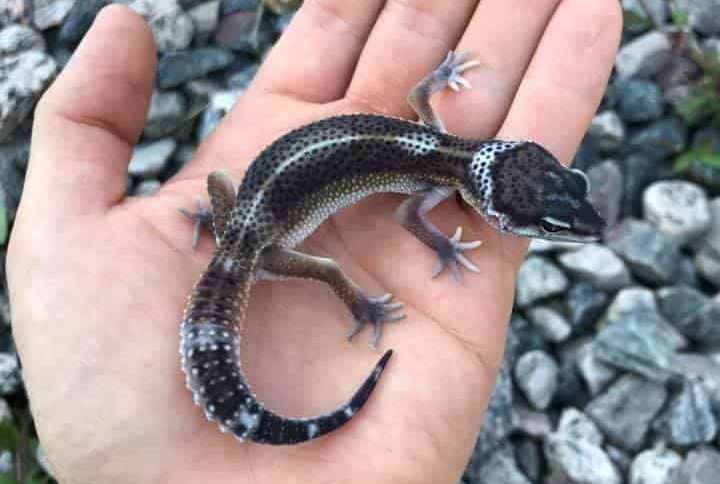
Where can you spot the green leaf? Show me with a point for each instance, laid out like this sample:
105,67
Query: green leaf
9,436
635,21
3,225
684,162
7,479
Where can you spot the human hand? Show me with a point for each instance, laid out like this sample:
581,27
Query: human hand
98,281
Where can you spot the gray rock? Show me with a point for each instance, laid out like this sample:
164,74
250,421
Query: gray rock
701,466
149,159
630,300
639,101
552,324
585,304
619,457
521,338
239,32
15,38
241,78
50,13
146,188
219,105
704,16
500,467
702,325
10,380
651,255
597,375
184,154
702,368
167,113
622,416
528,455
178,67
536,374
606,182
707,259
538,279
232,6
530,422
79,19
659,140
597,265
689,419
644,56
11,12
15,151
170,25
608,131
678,303
6,462
205,18
498,420
571,391
654,466
23,78
639,171
679,209
643,343
577,461
579,426
658,10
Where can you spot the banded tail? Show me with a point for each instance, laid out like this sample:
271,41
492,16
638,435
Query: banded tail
210,349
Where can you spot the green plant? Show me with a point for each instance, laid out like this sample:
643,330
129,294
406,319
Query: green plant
22,446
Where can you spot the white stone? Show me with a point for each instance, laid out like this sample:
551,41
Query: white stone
678,208
644,56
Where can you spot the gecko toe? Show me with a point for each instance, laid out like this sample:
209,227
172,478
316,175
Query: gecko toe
374,311
201,217
451,255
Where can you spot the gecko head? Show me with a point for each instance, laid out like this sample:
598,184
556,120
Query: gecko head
527,192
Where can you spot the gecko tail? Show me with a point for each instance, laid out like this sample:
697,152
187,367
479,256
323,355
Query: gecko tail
210,359
274,429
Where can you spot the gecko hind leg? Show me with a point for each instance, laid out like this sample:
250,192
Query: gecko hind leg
214,218
284,262
447,74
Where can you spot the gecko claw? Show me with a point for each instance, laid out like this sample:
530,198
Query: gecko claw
375,311
451,255
452,68
202,218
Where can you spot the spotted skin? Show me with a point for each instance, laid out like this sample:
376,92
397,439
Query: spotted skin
311,173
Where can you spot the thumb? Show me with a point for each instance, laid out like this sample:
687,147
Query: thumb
89,119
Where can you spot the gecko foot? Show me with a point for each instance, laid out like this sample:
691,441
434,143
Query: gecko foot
452,68
375,311
202,217
449,255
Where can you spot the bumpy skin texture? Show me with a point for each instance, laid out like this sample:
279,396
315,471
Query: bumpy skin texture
309,174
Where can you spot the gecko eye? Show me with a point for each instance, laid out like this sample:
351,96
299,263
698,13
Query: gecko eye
550,225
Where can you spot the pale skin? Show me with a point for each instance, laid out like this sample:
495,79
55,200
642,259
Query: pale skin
98,280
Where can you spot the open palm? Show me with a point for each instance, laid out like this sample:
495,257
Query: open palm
98,280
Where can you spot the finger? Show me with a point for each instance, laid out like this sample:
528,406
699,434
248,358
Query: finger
89,119
566,77
563,85
410,38
502,35
315,57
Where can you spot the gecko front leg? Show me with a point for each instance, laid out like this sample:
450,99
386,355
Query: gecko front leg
411,214
284,262
447,74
